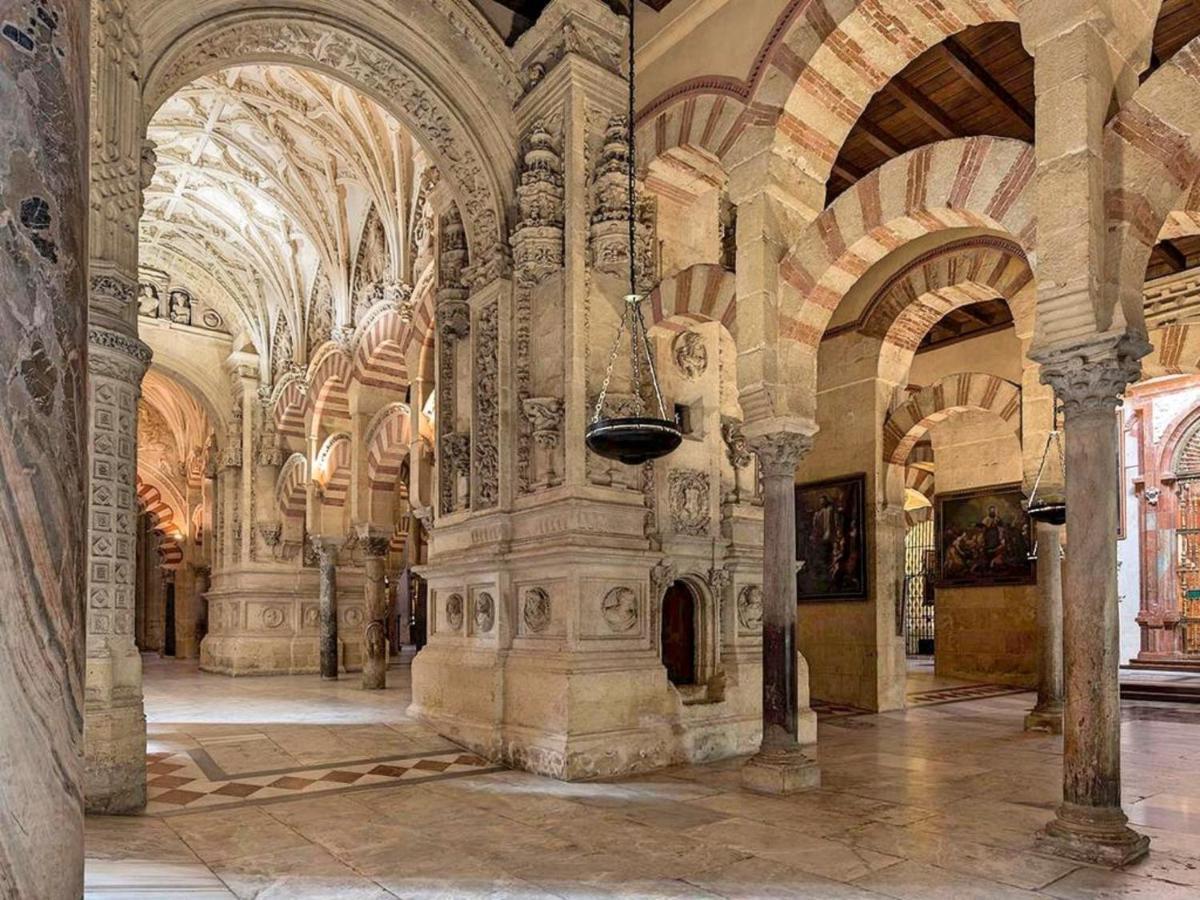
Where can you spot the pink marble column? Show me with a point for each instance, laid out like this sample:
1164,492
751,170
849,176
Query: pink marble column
781,766
43,456
1090,824
1047,714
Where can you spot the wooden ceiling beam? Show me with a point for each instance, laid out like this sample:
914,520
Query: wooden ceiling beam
880,139
847,172
1174,256
924,108
969,69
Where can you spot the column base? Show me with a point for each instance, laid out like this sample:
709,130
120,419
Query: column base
115,760
1097,835
1048,719
781,772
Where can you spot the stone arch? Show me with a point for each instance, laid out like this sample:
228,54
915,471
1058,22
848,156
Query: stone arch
1152,163
331,469
381,351
707,615
328,379
910,421
1180,454
980,183
700,293
705,123
291,489
401,64
387,441
162,514
920,481
289,404
830,58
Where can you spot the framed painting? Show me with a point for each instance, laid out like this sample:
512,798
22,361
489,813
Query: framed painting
984,538
831,539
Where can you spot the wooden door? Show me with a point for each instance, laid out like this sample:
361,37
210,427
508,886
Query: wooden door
679,634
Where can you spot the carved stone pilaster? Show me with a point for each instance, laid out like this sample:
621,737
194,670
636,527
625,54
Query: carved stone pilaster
114,723
610,210
485,464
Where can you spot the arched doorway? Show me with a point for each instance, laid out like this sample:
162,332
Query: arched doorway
679,634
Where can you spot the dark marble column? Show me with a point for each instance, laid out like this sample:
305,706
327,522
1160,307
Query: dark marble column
1047,714
1090,824
375,542
43,457
781,765
327,552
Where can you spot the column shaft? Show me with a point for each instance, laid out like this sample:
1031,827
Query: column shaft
327,557
43,486
1047,714
375,649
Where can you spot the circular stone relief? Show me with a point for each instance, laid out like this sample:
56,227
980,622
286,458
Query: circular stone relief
750,607
620,609
485,613
211,319
311,617
536,612
454,612
354,616
272,617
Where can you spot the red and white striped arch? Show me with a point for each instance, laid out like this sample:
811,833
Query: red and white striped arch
919,480
387,438
331,469
702,293
290,405
379,358
910,421
291,489
328,379
163,516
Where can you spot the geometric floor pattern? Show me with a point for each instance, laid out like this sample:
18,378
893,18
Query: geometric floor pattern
190,780
956,694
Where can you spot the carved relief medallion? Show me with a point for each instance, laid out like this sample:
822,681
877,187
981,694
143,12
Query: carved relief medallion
354,616
485,613
311,617
620,609
750,607
454,612
273,616
536,611
690,354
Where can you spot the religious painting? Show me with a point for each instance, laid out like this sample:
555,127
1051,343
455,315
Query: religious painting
984,538
831,539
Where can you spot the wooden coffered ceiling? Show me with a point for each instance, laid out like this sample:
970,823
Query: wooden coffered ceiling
968,321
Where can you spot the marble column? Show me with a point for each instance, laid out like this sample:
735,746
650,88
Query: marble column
1090,824
43,488
115,725
327,553
781,765
374,542
1047,714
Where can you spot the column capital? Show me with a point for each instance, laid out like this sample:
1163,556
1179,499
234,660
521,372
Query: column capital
1091,377
117,355
326,549
375,540
779,453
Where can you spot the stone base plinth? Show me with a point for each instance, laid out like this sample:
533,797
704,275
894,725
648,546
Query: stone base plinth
267,622
781,773
1047,720
115,760
1093,835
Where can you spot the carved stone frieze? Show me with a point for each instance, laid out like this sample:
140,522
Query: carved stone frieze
485,468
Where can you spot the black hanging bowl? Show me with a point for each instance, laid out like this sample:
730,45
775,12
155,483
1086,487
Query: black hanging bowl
1051,512
633,440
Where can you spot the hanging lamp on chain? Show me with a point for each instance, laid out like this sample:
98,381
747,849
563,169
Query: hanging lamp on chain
1050,506
640,437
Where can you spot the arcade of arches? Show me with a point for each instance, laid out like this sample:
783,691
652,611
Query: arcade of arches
305,308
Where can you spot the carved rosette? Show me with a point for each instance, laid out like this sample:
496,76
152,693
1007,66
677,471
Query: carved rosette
780,453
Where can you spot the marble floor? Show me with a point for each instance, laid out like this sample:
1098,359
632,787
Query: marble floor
941,800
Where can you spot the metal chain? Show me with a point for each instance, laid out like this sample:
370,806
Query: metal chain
612,359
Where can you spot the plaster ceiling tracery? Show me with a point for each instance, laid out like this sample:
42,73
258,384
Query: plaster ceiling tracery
265,177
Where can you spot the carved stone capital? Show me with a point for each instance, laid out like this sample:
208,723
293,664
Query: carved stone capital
325,549
374,540
116,355
780,453
1090,379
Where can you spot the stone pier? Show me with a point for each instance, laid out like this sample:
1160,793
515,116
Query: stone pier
43,429
781,765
